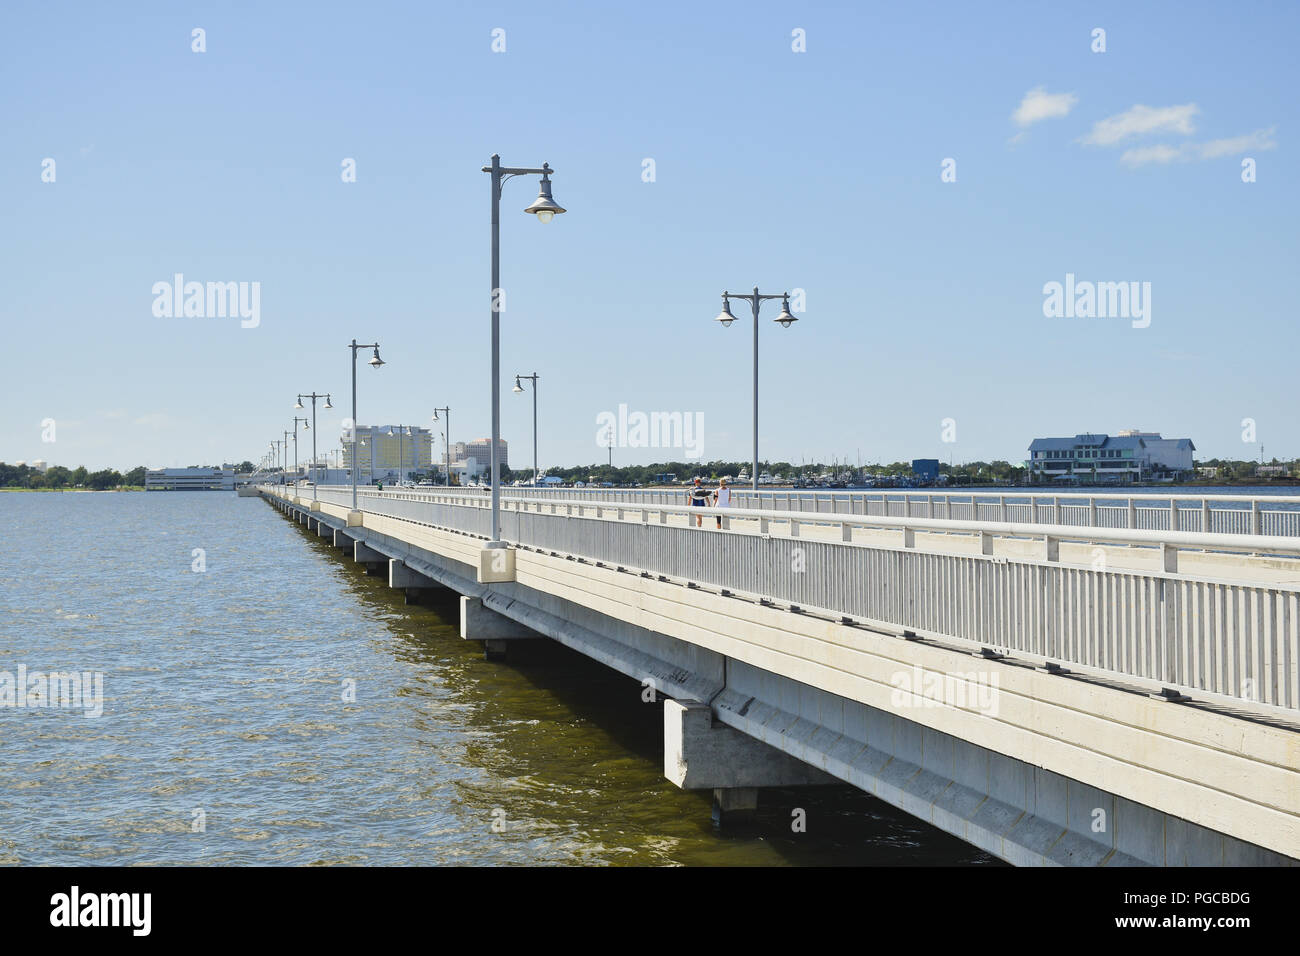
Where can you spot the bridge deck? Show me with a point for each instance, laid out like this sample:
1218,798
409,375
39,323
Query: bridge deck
841,606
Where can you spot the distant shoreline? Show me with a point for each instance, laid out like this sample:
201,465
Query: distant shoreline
77,491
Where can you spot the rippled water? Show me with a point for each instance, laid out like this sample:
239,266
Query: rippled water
224,705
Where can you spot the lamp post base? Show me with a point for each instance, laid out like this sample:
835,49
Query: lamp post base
496,563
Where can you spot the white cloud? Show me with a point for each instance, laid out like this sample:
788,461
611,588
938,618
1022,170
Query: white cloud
1143,155
1187,152
1140,120
1260,139
1038,104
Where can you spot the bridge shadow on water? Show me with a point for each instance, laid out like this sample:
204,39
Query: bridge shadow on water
570,749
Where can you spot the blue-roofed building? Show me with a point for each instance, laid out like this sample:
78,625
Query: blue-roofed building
926,469
1129,456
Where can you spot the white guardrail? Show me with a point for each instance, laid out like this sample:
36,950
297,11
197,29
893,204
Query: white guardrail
1235,639
1213,514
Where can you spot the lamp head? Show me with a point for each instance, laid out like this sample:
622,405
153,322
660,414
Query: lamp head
298,404
725,316
544,207
376,361
327,402
518,387
785,318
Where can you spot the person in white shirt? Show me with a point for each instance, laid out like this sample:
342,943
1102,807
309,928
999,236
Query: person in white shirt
722,496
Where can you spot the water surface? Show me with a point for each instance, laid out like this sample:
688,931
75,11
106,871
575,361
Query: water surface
224,705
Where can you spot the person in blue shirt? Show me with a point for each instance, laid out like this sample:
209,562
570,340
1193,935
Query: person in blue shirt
699,498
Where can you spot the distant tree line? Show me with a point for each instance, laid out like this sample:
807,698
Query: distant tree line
1229,470
971,472
710,470
57,476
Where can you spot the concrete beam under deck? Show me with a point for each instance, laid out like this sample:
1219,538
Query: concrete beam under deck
480,623
411,582
363,553
700,754
1021,813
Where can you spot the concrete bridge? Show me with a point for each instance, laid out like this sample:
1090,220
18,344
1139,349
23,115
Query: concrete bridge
1053,686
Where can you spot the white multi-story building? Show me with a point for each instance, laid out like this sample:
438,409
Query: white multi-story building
189,479
1129,456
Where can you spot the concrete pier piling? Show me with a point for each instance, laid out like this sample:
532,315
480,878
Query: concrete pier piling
496,631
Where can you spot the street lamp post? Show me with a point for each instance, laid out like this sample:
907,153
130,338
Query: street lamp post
305,425
373,363
285,472
401,453
313,396
545,208
785,318
519,388
446,436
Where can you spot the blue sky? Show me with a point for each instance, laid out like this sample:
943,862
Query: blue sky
817,170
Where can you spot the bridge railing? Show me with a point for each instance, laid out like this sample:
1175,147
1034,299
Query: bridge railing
1268,515
1233,639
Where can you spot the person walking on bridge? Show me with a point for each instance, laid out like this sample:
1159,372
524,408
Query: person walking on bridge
722,496
699,497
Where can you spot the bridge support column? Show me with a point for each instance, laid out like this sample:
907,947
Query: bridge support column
413,583
702,755
362,553
343,540
733,804
496,631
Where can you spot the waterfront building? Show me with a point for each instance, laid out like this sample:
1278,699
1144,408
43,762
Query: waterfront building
189,479
382,456
1131,455
926,469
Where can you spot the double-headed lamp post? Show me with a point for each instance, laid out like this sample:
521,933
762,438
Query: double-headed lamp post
305,424
785,318
446,436
373,363
313,396
401,455
287,433
546,209
275,450
519,388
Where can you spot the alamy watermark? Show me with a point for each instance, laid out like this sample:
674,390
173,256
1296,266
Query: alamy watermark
920,688
1098,300
70,690
684,430
211,300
